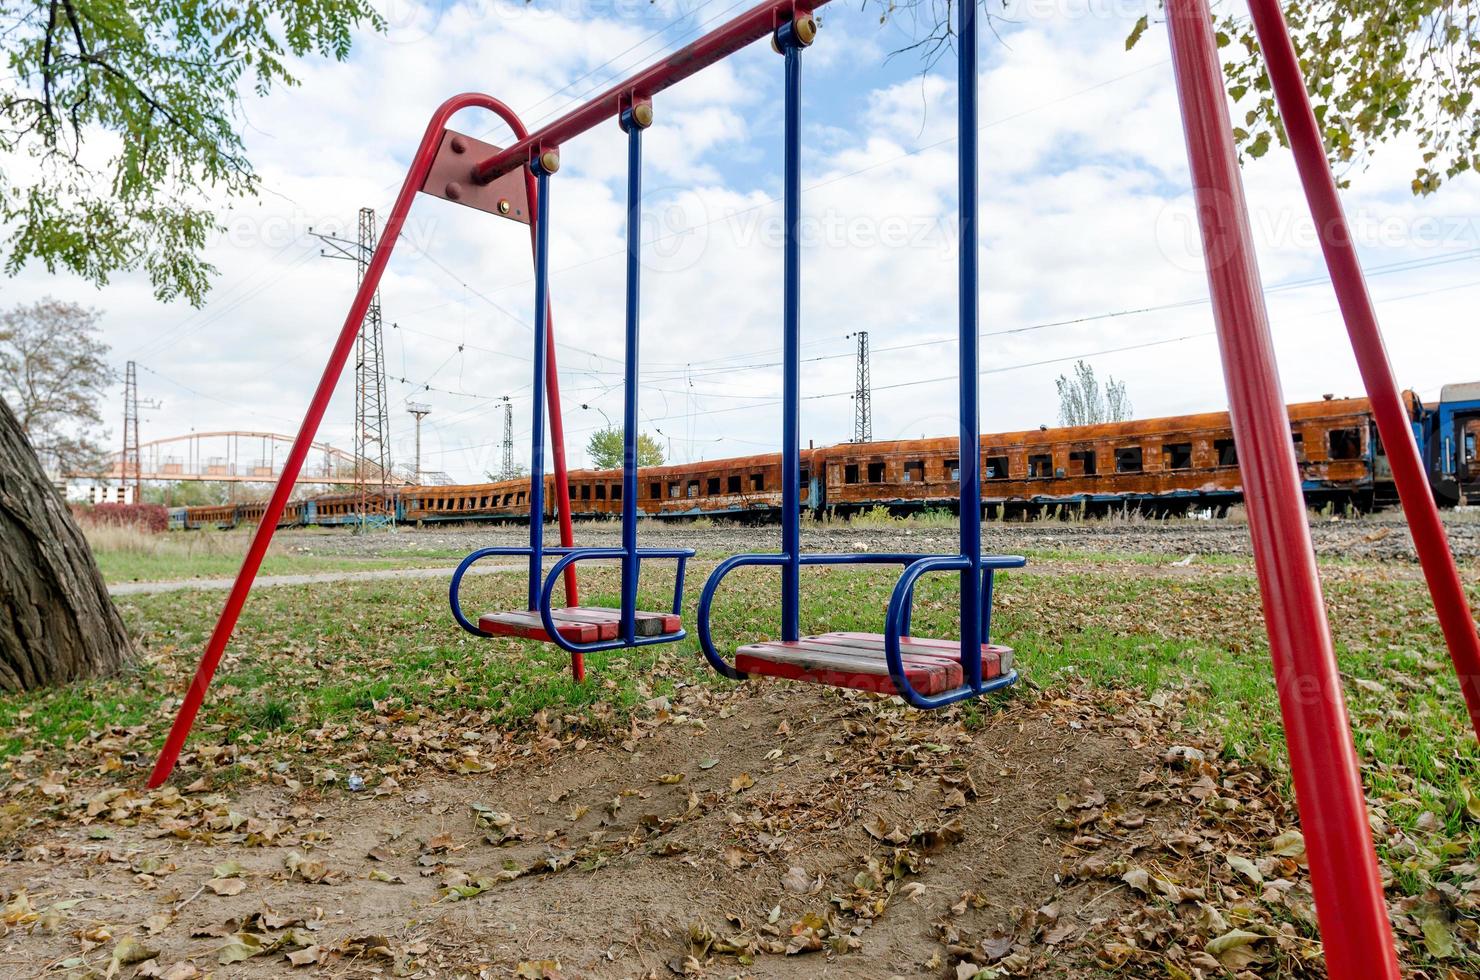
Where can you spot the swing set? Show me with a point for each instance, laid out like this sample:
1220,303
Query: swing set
514,183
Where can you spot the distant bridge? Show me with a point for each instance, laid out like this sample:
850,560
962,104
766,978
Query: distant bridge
233,457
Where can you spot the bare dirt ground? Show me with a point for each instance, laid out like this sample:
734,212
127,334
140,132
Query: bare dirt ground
765,832
1380,537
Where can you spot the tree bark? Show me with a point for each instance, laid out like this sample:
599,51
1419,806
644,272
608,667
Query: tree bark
57,623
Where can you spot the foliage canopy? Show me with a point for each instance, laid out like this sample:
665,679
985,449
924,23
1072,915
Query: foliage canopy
153,88
605,449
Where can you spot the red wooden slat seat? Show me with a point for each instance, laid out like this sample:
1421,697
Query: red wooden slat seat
857,660
578,624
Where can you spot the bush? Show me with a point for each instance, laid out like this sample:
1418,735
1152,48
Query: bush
153,518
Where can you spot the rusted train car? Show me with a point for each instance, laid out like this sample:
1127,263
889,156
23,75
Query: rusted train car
1158,466
728,487
741,487
505,500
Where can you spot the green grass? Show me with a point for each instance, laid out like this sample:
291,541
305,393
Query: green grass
305,658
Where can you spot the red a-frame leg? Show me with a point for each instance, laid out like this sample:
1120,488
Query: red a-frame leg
1328,790
1391,414
421,165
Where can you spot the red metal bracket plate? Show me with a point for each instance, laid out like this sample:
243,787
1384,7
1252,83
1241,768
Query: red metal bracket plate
450,178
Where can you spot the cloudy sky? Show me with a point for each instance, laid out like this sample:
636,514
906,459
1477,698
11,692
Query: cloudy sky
1089,247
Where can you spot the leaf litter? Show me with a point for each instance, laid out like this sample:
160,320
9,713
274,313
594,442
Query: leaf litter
1076,830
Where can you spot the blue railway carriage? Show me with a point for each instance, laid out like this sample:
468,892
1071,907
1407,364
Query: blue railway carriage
1450,434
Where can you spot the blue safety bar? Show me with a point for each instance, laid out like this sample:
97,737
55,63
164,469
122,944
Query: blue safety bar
975,570
633,120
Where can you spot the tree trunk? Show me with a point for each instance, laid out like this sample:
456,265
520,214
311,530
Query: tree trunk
57,623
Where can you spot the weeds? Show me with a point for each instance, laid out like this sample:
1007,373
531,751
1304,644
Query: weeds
875,517
128,553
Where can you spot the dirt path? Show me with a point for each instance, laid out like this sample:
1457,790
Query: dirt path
773,831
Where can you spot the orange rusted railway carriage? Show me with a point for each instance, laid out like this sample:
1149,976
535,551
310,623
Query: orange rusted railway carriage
1157,466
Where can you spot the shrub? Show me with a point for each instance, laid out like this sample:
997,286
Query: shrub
153,518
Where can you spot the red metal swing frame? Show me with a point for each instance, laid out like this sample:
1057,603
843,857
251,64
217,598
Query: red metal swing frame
1344,877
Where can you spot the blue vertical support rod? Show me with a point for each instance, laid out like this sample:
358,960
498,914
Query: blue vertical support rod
791,299
633,121
972,621
537,413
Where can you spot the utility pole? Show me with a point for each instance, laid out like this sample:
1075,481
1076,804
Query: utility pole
863,394
506,469
372,449
131,432
421,411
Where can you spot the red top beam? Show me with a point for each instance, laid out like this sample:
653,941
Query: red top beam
754,24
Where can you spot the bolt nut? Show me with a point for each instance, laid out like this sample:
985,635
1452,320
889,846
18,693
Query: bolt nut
504,207
549,161
458,144
642,114
454,191
805,28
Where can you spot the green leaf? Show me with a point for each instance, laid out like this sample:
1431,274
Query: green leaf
1136,32
1438,935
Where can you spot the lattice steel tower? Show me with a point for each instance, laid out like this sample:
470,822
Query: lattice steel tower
372,410
506,470
372,416
863,394
131,432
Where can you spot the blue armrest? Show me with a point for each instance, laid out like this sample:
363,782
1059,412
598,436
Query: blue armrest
572,555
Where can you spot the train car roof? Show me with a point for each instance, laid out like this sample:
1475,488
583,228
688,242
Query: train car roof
1302,411
1464,392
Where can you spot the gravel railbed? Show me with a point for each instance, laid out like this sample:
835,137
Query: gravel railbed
1382,537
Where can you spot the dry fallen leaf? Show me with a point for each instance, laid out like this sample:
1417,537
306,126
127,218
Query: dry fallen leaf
240,947
1235,948
131,950
797,880
1290,844
307,956
227,886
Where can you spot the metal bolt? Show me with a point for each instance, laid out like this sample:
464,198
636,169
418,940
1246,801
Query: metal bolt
454,190
805,27
642,114
458,144
504,207
550,161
